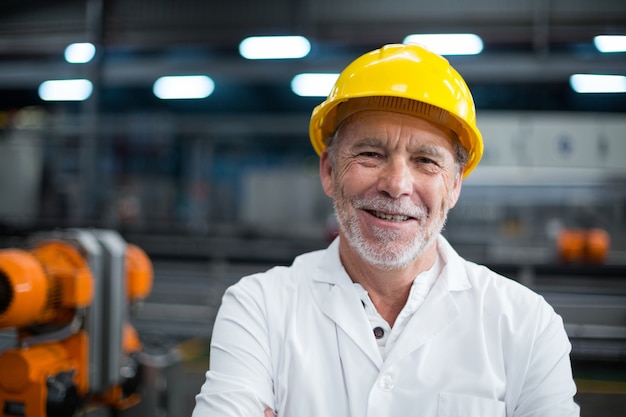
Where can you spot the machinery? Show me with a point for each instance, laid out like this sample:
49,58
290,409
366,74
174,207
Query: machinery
69,298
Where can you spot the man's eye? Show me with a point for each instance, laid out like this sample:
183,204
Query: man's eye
424,160
370,154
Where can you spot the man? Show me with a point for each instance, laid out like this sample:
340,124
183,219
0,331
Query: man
389,320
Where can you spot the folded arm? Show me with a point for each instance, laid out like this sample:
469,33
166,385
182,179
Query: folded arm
239,381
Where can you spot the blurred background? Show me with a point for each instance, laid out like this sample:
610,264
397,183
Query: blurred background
226,183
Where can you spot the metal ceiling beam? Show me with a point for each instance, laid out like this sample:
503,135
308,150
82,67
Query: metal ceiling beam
508,68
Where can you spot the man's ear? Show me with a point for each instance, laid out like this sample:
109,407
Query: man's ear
326,173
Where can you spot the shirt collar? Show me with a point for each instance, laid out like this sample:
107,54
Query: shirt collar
450,264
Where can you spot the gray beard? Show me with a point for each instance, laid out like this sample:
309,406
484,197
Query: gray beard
380,251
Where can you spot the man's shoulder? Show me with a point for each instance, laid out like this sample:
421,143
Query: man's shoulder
284,276
503,296
497,284
482,278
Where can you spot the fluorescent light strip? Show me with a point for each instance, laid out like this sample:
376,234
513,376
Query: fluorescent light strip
65,90
610,43
80,53
313,85
274,47
448,43
183,87
598,83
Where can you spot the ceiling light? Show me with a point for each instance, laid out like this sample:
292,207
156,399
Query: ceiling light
598,83
80,53
183,87
449,43
275,47
610,43
313,85
65,90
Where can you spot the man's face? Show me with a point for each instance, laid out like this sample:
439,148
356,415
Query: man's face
393,181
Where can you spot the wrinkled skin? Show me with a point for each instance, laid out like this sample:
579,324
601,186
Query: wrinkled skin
393,179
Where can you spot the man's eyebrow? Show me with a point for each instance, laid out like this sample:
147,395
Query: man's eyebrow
430,150
368,142
433,150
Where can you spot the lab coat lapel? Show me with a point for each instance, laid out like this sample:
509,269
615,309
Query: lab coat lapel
438,310
342,305
435,314
336,296
334,293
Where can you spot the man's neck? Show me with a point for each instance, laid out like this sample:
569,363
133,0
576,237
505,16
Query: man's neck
388,289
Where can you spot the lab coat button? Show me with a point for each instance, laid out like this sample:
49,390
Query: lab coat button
379,332
386,383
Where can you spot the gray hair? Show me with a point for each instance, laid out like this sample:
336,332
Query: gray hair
461,155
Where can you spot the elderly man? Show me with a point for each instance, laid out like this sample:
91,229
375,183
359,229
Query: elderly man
389,320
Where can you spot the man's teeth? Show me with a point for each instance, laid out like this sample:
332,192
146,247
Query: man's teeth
390,217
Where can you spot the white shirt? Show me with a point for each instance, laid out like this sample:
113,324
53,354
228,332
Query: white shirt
385,335
297,339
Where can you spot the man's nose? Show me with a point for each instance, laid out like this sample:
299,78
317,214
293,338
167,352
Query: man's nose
396,179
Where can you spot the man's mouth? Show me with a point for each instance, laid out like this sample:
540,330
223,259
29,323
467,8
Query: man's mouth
389,217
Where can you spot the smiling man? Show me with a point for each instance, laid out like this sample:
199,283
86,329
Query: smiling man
392,178
389,320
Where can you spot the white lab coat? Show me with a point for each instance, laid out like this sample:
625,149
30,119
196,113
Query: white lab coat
297,339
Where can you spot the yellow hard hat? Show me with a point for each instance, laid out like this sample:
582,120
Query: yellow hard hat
402,78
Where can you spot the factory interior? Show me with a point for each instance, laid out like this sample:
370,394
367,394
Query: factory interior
158,205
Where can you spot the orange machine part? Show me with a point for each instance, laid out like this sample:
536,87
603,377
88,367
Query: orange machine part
64,262
598,244
571,245
130,340
42,285
583,245
24,372
24,288
139,273
116,399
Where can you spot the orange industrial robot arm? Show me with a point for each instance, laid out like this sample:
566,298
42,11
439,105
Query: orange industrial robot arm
56,295
42,291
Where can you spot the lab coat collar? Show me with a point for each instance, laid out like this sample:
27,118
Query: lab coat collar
454,275
332,271
438,310
335,293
